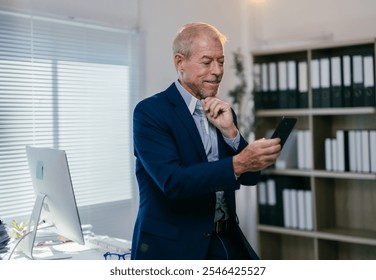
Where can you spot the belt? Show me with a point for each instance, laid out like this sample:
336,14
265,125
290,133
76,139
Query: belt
221,226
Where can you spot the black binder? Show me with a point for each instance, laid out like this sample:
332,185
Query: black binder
292,90
273,93
282,85
303,84
357,81
315,83
257,93
275,211
369,81
325,96
347,81
336,81
265,96
263,213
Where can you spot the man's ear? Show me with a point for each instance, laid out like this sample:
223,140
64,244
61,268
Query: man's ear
179,62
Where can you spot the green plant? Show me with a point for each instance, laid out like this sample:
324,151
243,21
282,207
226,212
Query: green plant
242,98
18,229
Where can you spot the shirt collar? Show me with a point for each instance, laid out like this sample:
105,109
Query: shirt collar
189,99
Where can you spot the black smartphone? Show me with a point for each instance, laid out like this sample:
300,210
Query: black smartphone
284,128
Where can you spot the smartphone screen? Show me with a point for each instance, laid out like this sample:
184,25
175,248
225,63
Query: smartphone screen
283,129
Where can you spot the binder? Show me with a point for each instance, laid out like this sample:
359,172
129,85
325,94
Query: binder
365,151
369,81
342,151
289,154
308,149
372,154
294,208
301,149
336,81
279,206
308,210
273,94
328,154
287,215
334,155
296,203
265,86
303,84
358,149
274,201
282,84
325,97
262,202
315,83
352,151
301,209
304,147
357,83
271,192
347,89
292,91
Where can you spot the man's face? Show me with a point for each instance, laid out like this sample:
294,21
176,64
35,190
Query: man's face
202,73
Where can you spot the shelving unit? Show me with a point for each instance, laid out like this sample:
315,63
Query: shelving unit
344,203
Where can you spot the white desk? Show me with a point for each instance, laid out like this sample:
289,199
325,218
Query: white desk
94,248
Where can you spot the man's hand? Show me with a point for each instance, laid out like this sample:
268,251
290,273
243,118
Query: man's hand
257,155
219,113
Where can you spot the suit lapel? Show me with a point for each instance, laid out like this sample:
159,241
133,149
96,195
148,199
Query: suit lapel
185,117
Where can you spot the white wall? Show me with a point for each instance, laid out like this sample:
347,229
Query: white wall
161,19
305,22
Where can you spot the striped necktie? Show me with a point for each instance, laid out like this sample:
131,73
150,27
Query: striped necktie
204,128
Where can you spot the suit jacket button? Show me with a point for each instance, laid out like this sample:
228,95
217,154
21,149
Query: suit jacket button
207,235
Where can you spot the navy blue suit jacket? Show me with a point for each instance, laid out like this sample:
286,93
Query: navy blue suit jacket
177,184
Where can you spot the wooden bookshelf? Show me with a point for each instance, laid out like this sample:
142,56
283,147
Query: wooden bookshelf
344,203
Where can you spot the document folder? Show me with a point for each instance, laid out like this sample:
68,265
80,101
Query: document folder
315,83
347,89
336,81
369,81
357,83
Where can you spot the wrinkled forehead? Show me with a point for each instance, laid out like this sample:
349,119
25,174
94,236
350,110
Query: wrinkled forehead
207,46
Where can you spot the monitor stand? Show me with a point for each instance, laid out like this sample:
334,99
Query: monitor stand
26,245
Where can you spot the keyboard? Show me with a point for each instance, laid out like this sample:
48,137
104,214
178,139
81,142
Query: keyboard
105,243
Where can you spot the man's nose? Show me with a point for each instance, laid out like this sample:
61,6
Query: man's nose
217,68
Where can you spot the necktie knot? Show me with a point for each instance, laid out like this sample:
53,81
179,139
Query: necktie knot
199,110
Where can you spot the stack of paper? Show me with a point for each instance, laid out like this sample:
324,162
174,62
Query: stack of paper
4,239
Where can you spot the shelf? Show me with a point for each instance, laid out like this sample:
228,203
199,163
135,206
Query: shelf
316,112
349,236
341,235
288,231
322,174
282,112
316,46
342,204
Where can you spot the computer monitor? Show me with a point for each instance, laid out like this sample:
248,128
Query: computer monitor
55,200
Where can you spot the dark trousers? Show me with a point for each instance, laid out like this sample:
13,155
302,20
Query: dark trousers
226,246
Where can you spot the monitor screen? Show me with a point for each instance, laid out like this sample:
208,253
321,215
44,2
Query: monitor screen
55,202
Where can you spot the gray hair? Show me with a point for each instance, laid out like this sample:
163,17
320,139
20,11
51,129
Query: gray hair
188,33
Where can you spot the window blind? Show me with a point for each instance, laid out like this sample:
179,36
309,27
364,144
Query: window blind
69,86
